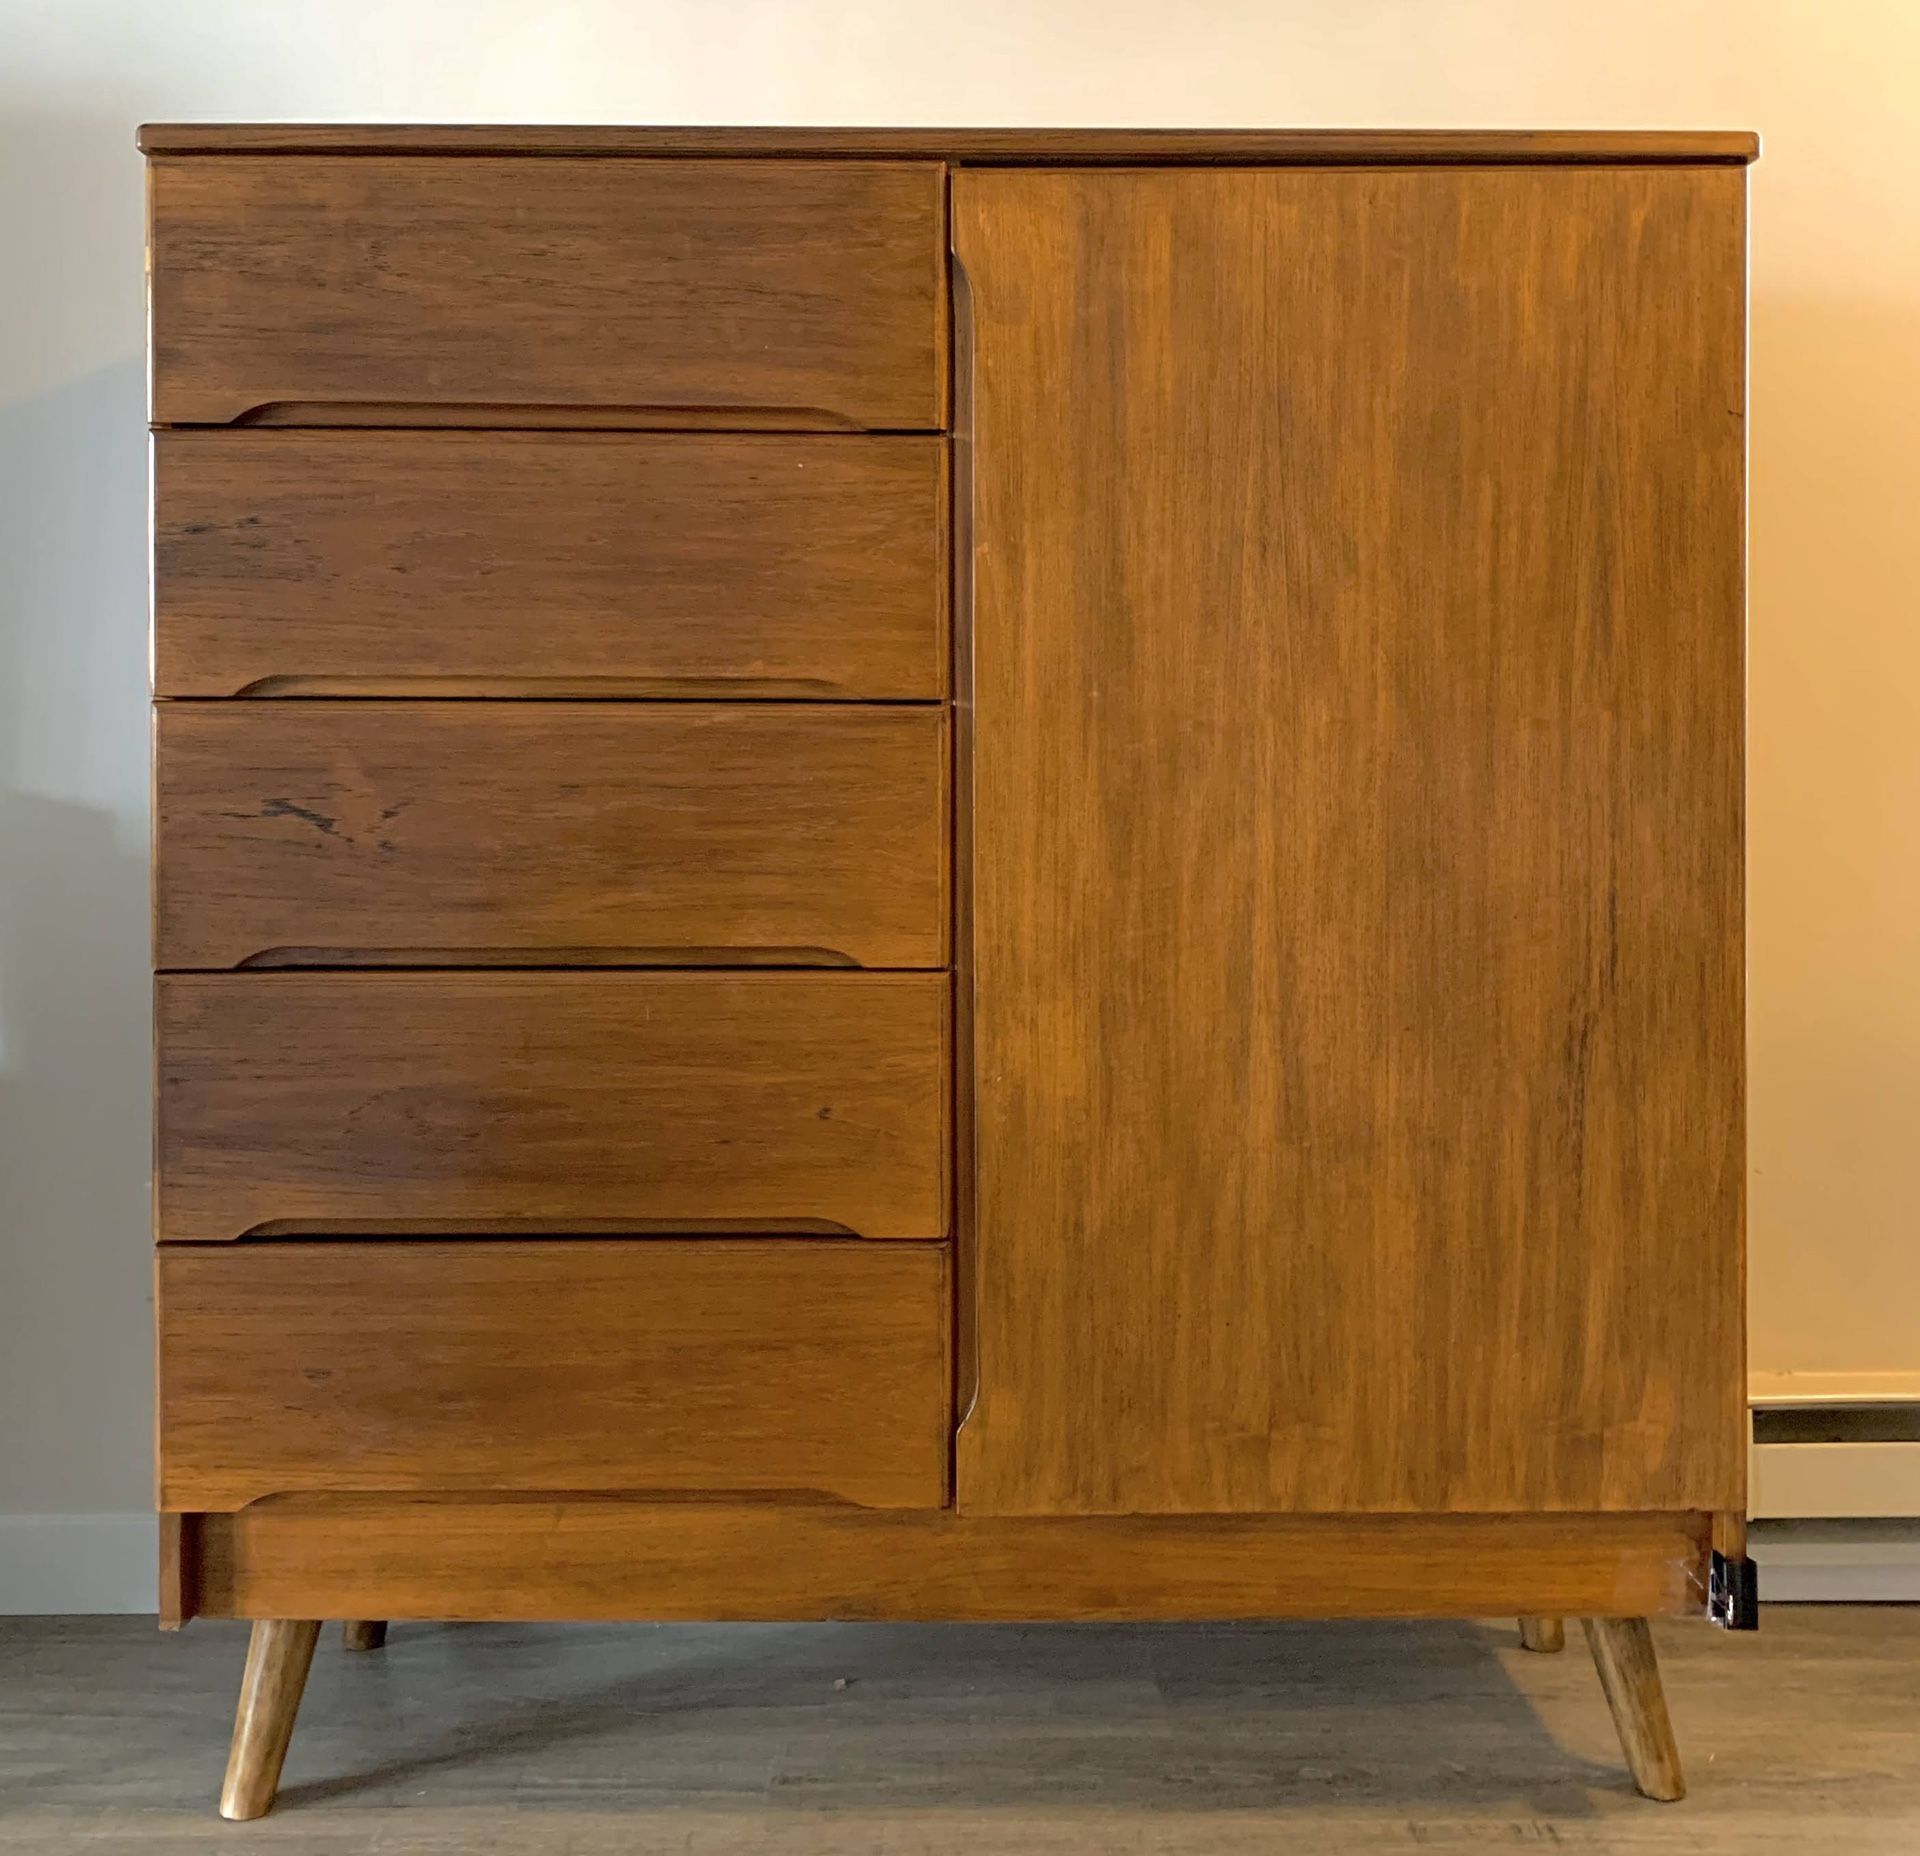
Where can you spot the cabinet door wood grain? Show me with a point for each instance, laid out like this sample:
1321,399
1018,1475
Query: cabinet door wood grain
393,290
1357,823
577,563
547,834
658,1367
411,1104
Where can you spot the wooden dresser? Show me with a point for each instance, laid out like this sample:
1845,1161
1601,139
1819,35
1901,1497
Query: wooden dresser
948,875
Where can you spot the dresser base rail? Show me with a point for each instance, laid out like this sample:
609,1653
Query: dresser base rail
587,1558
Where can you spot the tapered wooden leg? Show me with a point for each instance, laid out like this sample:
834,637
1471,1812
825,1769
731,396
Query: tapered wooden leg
1544,1634
364,1634
1623,1653
277,1661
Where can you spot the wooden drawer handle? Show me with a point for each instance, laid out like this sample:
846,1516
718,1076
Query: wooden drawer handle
480,415
271,958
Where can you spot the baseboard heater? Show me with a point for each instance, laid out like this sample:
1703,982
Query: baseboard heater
1835,1486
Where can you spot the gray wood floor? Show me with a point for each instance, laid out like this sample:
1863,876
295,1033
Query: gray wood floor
910,1740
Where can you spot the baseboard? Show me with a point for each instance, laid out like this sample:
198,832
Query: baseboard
52,1564
1837,1562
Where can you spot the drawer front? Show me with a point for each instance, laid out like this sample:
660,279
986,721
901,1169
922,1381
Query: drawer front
577,1103
331,833
384,288
677,1367
578,563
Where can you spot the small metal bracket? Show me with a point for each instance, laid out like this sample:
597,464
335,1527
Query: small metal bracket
1733,1592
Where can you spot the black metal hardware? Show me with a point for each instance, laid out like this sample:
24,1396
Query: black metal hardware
1733,1592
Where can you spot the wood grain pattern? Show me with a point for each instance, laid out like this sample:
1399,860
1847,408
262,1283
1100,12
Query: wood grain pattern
416,1104
1357,812
1544,1636
667,1367
575,563
320,833
279,1655
813,290
609,1558
1020,147
179,1556
1630,1677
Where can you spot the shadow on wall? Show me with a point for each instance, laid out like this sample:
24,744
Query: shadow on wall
75,1063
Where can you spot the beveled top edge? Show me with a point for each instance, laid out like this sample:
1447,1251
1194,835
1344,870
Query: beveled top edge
1277,147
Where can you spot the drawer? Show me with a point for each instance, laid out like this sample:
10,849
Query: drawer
581,563
390,289
722,1366
459,833
412,1104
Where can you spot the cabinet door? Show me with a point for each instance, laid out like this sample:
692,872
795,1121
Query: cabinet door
1356,879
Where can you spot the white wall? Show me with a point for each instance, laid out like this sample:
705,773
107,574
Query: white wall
1836,494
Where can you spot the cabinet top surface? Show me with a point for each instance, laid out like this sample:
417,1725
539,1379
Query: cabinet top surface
1303,147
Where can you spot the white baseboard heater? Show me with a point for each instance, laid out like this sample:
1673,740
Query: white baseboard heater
1835,1486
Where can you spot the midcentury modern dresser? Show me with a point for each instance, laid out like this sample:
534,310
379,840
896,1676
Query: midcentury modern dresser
980,875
